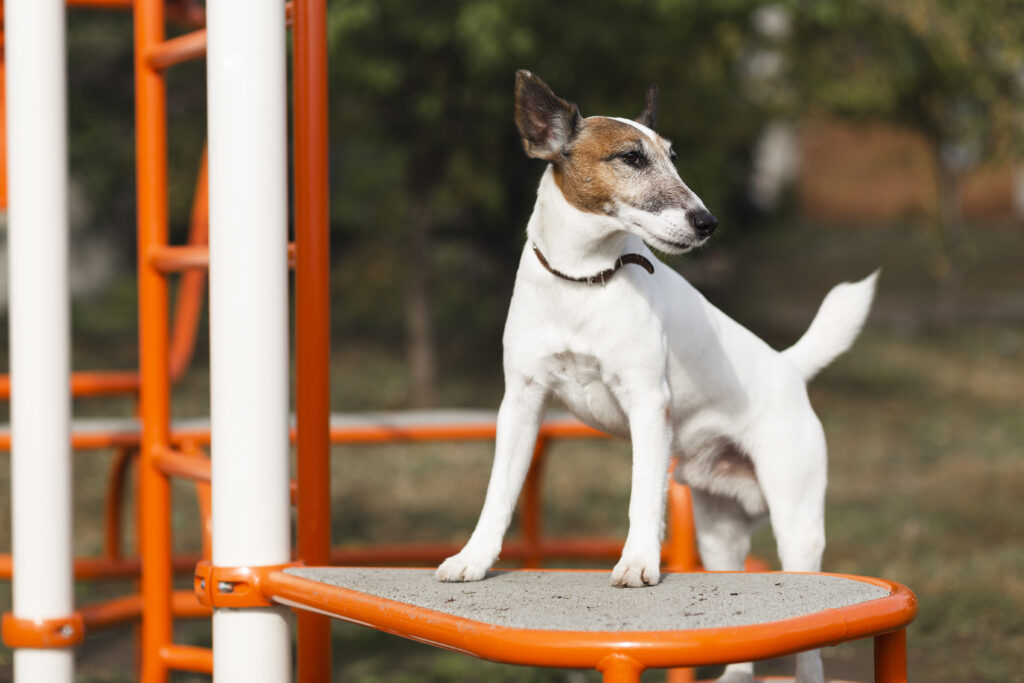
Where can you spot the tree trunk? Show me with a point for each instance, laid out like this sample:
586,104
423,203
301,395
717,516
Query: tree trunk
419,333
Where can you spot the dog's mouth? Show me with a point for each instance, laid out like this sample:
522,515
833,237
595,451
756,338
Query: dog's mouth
674,247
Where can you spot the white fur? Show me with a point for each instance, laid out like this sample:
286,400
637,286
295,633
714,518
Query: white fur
648,358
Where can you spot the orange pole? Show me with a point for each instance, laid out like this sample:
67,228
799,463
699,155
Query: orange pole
680,675
205,500
192,285
532,507
618,668
312,316
891,657
681,548
115,497
154,409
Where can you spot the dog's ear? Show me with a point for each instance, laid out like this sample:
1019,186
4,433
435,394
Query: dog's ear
547,123
649,116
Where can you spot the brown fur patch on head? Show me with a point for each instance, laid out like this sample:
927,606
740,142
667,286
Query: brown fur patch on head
594,175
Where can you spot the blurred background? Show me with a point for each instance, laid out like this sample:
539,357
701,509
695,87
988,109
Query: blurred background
829,138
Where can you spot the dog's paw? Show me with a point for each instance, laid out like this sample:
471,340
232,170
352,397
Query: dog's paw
634,572
462,567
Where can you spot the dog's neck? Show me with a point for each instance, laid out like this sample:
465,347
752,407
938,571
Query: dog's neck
574,242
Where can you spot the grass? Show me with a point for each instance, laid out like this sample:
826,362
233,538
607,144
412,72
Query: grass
926,438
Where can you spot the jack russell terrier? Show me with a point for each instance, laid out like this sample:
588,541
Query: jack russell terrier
631,348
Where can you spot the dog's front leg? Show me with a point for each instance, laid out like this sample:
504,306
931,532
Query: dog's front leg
651,434
518,422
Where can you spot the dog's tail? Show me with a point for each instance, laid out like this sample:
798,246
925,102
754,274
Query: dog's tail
834,328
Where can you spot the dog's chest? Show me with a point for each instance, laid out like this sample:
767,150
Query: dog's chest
587,387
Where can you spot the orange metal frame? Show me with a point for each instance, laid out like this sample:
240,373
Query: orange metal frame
620,655
161,452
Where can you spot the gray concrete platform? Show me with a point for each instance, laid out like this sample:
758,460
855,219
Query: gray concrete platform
586,601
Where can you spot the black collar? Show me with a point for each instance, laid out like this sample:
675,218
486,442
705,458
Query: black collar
604,275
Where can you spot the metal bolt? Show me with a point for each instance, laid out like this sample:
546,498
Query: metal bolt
202,584
66,631
225,587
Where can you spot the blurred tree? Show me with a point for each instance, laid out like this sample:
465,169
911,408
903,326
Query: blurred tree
422,118
953,71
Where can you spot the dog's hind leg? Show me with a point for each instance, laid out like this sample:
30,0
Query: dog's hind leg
723,539
518,423
795,491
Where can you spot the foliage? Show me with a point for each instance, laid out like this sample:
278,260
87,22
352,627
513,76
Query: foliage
422,99
952,70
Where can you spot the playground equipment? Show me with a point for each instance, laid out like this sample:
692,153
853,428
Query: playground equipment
249,575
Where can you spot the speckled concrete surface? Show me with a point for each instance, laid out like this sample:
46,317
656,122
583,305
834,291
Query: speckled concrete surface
586,601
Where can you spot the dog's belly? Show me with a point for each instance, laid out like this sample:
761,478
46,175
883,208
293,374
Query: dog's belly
578,381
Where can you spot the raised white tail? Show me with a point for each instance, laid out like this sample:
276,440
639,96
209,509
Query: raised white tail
834,328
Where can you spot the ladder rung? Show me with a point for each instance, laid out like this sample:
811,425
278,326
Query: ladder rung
183,48
187,47
172,259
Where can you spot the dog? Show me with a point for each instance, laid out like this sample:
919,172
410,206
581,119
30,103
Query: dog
631,348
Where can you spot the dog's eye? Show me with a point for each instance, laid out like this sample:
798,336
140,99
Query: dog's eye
634,158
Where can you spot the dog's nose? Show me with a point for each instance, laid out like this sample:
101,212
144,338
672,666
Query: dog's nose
703,222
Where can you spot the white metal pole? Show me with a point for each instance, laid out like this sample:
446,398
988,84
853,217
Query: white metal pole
39,327
247,120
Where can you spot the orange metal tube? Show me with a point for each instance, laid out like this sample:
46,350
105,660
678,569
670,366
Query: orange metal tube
177,50
187,658
190,46
113,502
587,649
681,547
891,657
192,285
89,568
154,408
173,462
89,440
312,320
680,675
128,608
531,507
84,383
619,668
451,432
205,500
170,259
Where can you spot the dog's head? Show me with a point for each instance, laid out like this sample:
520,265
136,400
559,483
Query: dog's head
613,167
